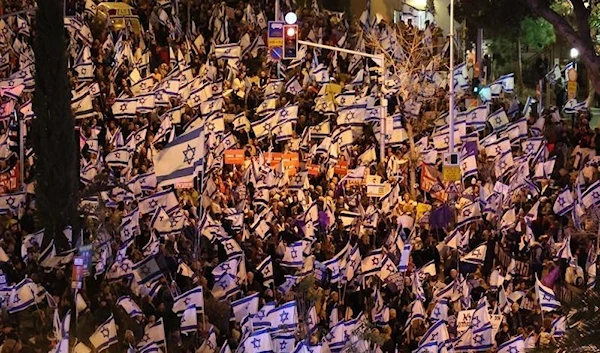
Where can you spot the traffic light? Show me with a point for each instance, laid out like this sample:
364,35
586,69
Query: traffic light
476,85
290,41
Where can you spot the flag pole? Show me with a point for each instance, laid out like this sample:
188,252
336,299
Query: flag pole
21,149
451,115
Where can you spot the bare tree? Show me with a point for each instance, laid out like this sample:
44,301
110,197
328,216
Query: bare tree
414,69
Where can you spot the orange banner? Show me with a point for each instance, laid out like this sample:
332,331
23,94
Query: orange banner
341,168
234,157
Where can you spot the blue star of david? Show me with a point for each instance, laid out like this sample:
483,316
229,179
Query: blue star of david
434,336
117,155
294,253
547,297
476,253
282,345
225,266
498,120
390,268
529,148
146,338
105,332
267,126
513,349
256,343
561,201
464,166
476,321
142,100
223,284
309,321
210,126
124,266
153,203
188,154
437,312
447,140
16,299
126,232
596,195
214,88
196,99
158,95
478,338
260,315
11,83
466,213
343,100
502,165
228,246
83,70
375,261
137,137
283,113
293,90
284,316
267,271
123,107
10,201
498,150
227,51
145,270
209,344
187,301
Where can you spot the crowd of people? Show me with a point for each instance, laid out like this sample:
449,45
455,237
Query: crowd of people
290,232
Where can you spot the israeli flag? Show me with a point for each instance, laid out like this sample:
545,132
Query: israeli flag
147,270
591,196
469,213
507,82
514,345
371,264
564,202
245,306
476,256
181,159
228,51
105,335
266,269
130,306
258,342
189,320
192,297
545,297
293,256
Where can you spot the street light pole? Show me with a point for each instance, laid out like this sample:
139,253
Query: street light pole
380,59
451,114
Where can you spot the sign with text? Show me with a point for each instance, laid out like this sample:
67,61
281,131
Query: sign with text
275,34
341,168
463,321
234,157
377,189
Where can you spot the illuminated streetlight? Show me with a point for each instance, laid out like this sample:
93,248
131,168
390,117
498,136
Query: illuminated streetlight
290,18
574,53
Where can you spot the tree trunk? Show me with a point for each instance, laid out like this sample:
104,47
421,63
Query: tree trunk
519,67
580,38
57,170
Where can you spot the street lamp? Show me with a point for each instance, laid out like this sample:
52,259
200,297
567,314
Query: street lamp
290,18
574,53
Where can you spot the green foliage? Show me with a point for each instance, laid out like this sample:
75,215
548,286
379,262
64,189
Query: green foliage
496,17
562,7
537,33
583,326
